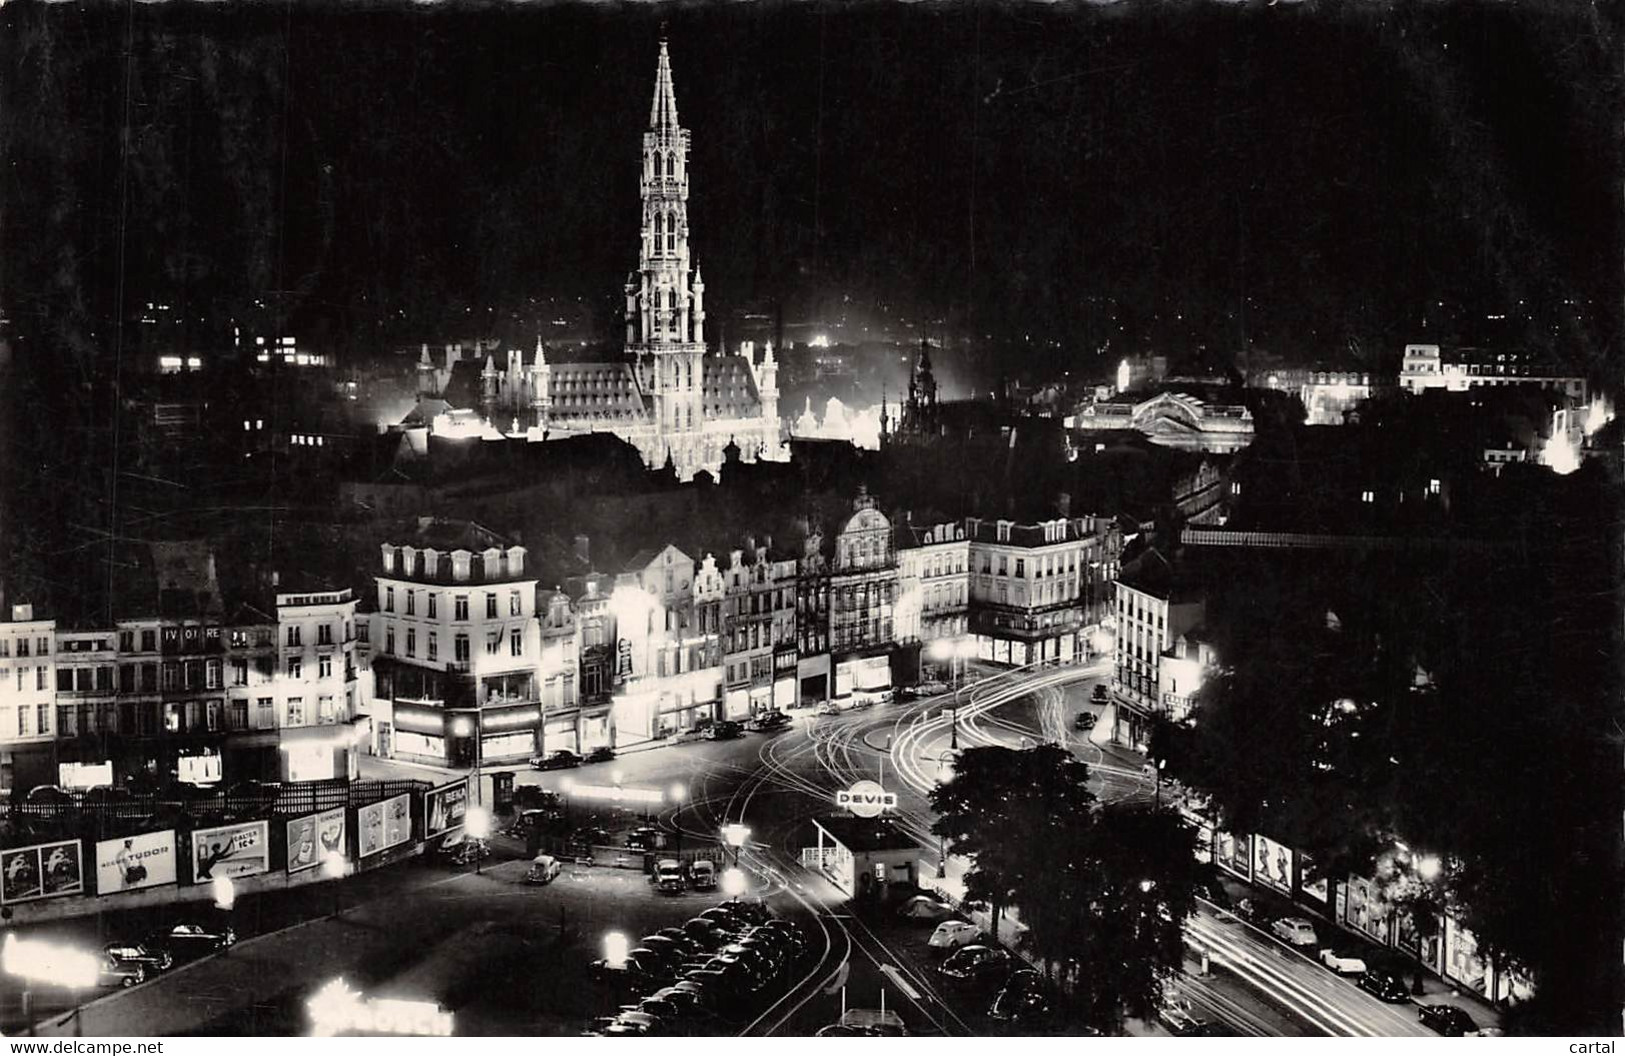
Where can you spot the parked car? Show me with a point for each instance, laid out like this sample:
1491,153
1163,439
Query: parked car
1022,999
562,759
602,754
644,838
114,972
1100,694
1295,931
924,907
952,934
190,938
1084,720
931,689
702,875
1343,963
726,730
153,960
1385,985
668,877
1448,1020
768,721
977,965
544,869
828,707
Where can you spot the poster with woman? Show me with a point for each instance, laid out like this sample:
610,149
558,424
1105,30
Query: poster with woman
315,837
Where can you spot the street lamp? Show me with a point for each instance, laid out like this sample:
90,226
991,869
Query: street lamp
225,897
736,835
33,962
477,825
733,882
616,947
333,868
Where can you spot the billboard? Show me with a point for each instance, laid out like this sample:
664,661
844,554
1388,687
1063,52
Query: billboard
314,837
444,808
382,825
1272,864
1234,854
44,870
231,851
133,862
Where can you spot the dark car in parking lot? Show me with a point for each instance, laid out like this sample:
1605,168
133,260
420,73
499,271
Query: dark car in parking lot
153,959
1448,1020
1386,984
559,760
977,966
1022,999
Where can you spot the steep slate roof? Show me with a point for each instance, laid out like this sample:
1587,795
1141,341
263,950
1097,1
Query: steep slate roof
729,388
583,389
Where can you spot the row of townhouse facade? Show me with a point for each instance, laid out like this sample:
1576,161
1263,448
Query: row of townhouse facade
470,663
458,655
201,698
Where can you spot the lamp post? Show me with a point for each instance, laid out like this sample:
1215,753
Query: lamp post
1158,800
477,824
33,962
679,792
334,867
736,835
225,897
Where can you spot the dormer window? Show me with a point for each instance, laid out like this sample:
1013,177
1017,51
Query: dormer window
431,562
460,560
389,558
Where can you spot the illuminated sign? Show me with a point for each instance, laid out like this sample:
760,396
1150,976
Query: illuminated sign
866,799
617,793
383,825
337,1009
445,808
44,870
84,775
133,862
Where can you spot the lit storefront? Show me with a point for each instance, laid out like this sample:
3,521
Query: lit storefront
863,857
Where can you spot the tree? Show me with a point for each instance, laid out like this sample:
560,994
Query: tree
1102,890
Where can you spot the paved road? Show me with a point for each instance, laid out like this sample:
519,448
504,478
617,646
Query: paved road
412,927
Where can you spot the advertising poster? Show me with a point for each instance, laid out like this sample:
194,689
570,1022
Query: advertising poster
444,808
311,839
1365,910
1311,882
44,870
133,862
231,851
1272,864
383,825
1235,854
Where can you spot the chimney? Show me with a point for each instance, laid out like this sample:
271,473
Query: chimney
583,549
22,613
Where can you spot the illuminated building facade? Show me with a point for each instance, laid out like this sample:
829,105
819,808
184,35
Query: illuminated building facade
455,648
668,396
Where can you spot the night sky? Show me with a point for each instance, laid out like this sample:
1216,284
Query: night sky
1014,168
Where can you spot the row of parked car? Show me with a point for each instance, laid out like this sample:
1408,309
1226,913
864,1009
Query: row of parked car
126,963
979,971
1384,981
723,966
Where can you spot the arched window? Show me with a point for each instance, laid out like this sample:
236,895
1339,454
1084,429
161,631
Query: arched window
671,165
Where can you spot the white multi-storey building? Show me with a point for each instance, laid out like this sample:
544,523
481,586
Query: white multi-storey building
27,699
1155,609
316,642
1457,370
933,583
455,647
